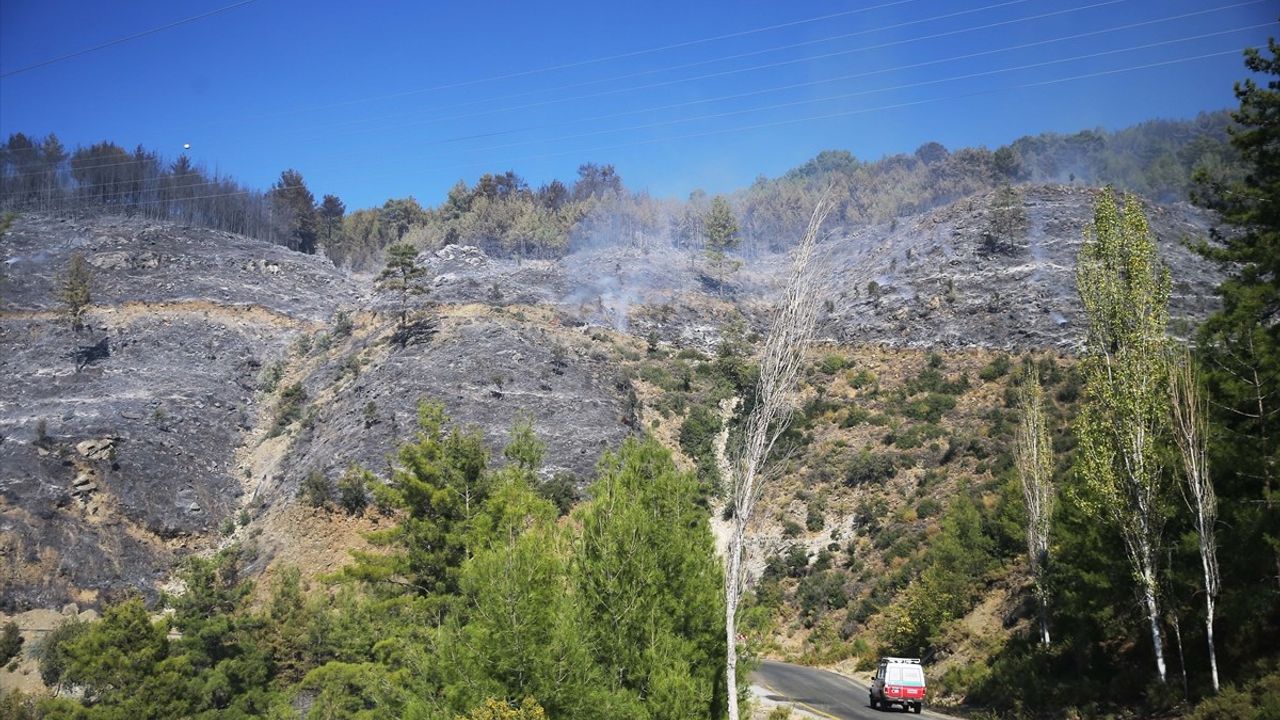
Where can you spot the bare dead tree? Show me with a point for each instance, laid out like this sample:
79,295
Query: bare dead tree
784,350
1034,454
1189,409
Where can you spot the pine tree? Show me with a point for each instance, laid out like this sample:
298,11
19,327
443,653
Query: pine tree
331,212
720,230
1239,345
74,291
401,275
1125,292
295,214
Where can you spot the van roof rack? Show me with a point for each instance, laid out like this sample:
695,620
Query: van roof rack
900,660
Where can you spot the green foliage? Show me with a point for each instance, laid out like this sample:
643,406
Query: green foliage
698,431
997,368
10,642
929,408
650,585
867,468
353,489
293,400
441,485
270,376
402,275
51,652
1258,700
528,709
1239,348
74,290
833,363
315,490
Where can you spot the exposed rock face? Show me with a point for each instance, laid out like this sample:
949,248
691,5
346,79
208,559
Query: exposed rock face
130,444
488,373
937,281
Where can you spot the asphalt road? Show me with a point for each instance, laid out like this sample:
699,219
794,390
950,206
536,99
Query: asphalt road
823,693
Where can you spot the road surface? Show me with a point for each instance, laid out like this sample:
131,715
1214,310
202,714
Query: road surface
820,692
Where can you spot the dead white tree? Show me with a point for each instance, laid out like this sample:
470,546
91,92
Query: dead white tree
1034,454
784,350
1188,407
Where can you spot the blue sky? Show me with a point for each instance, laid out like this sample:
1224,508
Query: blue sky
371,100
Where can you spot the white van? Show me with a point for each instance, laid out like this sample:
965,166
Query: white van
898,681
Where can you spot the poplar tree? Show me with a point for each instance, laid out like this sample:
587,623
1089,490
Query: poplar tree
1125,292
1034,455
1190,415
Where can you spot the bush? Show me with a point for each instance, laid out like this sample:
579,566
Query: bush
833,363
10,642
814,520
698,431
51,654
342,325
270,376
930,408
861,379
315,489
353,490
997,368
561,489
819,594
1258,700
289,410
867,468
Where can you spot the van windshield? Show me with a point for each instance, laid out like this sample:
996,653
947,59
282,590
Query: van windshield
909,675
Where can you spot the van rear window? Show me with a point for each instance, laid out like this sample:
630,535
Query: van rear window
909,675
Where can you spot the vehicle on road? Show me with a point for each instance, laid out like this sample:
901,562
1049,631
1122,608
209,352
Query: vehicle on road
898,681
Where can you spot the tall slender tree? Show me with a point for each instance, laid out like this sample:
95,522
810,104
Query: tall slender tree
1190,413
1125,291
1034,454
784,349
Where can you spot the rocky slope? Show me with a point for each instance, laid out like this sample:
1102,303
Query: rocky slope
165,423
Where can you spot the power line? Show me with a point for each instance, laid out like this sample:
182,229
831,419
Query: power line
881,71
793,86
738,56
695,78
827,116
827,99
591,61
127,38
514,108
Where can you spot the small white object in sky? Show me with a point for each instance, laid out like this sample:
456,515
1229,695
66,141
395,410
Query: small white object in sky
186,146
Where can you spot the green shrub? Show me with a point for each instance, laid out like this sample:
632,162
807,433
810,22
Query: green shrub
930,408
10,642
270,376
1259,700
342,325
315,489
814,519
353,490
997,368
289,410
866,468
699,431
833,363
51,651
791,528
861,379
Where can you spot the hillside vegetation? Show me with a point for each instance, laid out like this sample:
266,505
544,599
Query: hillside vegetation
490,481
